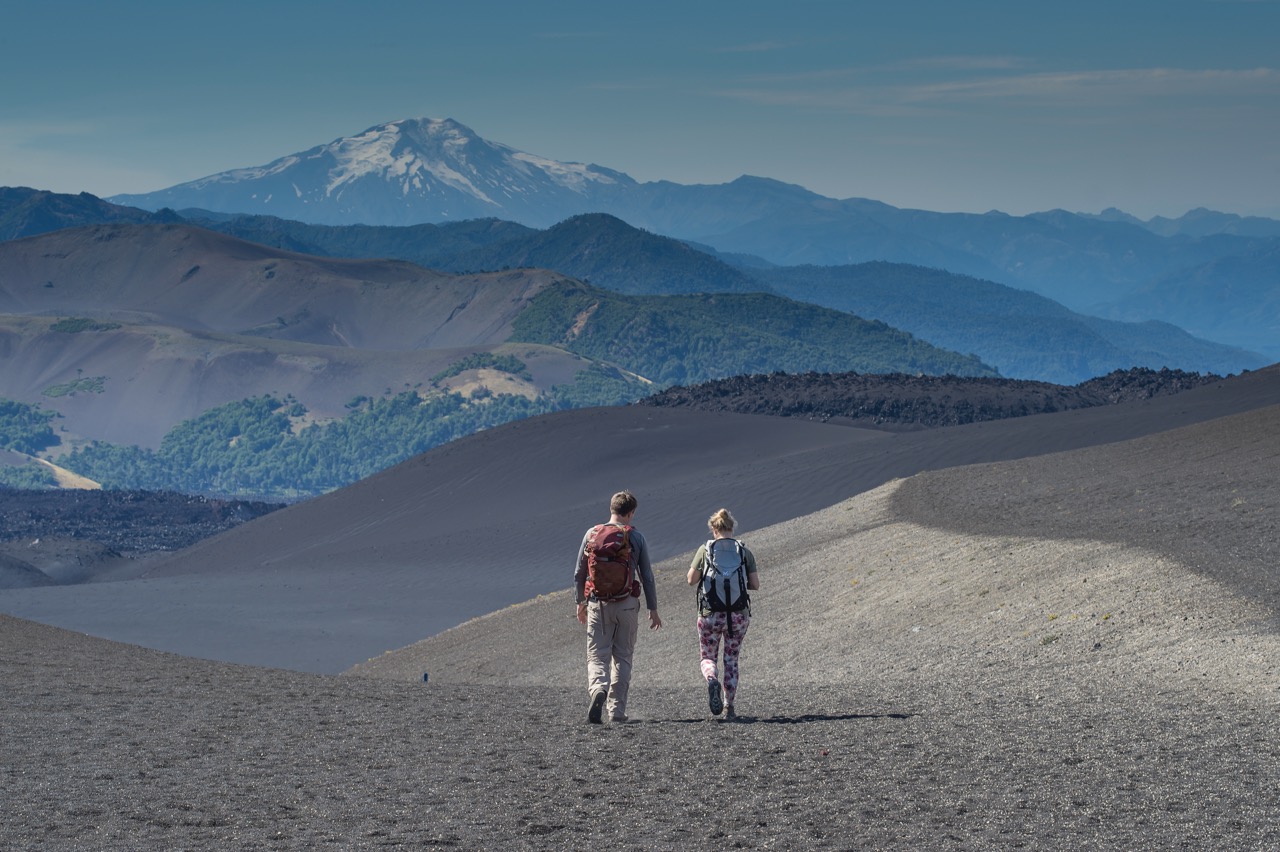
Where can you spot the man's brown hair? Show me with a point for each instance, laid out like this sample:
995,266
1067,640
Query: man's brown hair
623,503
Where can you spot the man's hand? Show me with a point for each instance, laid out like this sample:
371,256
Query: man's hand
654,621
582,612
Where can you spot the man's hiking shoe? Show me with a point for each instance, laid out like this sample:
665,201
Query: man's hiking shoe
714,701
597,708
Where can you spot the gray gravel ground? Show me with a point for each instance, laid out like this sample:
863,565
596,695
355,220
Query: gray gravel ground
123,748
940,663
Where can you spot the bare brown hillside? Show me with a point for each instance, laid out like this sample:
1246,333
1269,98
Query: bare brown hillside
132,383
188,277
178,320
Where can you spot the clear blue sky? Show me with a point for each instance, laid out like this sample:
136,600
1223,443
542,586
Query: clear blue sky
1152,106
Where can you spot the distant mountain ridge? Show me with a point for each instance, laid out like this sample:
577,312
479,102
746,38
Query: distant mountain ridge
392,174
1023,334
26,212
1236,297
428,171
1200,222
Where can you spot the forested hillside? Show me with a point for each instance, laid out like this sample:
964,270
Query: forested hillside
267,447
692,338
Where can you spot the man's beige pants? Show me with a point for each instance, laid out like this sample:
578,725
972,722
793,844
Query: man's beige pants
611,640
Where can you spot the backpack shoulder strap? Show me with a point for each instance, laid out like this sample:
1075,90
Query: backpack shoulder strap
706,571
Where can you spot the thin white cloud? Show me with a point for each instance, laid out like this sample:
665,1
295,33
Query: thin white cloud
848,90
920,65
1124,84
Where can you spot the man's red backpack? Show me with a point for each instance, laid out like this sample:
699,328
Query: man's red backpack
609,562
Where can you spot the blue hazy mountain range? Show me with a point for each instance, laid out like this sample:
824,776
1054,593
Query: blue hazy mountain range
1022,333
1025,335
419,171
151,326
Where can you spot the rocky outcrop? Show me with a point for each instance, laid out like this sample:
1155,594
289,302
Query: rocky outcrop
60,536
904,402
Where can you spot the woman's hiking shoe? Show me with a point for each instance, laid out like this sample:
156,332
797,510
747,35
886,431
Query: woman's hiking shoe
714,701
597,708
729,715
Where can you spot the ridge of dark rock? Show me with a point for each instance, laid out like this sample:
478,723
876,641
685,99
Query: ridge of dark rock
126,521
900,401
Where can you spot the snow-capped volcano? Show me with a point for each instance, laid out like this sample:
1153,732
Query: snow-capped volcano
402,172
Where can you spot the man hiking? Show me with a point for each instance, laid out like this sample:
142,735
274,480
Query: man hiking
611,569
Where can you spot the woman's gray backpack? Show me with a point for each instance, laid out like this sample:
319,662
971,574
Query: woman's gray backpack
724,577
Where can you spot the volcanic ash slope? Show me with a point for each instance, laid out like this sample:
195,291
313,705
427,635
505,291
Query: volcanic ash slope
1148,563
1069,651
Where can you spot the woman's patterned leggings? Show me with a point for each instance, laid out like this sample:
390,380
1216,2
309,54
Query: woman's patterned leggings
711,630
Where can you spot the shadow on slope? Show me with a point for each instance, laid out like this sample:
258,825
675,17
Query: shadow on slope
1204,495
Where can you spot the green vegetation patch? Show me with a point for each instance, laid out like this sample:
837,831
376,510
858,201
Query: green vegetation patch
482,361
252,447
86,384
25,428
598,385
31,475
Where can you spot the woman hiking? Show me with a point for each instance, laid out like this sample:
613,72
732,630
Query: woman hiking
723,570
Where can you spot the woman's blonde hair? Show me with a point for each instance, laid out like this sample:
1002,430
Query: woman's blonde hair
721,521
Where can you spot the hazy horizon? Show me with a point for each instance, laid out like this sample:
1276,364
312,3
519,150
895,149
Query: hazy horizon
1155,107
